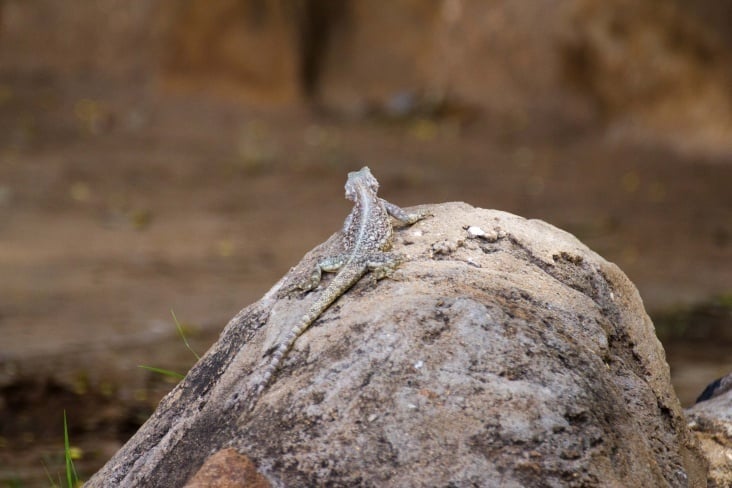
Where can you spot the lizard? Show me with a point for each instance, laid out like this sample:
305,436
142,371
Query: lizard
366,240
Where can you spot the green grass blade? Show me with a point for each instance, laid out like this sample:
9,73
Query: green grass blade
183,335
50,478
165,372
71,476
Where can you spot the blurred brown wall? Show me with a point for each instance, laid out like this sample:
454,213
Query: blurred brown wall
665,63
114,38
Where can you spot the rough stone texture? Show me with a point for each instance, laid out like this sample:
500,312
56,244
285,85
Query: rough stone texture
228,469
509,357
711,421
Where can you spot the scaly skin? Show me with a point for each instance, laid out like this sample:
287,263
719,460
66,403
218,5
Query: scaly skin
367,234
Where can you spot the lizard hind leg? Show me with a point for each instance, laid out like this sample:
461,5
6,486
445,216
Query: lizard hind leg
330,265
382,265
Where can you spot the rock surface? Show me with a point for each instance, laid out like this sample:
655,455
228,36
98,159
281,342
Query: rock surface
711,421
503,352
228,469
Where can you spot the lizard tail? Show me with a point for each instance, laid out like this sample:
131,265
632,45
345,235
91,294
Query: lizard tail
280,353
340,283
285,346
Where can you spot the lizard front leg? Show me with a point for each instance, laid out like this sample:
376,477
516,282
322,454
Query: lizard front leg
402,215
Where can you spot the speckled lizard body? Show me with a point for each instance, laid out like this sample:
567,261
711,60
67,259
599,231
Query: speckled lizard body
367,234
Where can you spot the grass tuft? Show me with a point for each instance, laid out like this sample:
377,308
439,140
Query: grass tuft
72,478
167,372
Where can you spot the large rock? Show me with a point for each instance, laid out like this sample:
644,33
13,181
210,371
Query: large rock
509,357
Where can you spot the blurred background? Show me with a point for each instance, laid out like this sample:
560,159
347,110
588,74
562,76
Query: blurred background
182,155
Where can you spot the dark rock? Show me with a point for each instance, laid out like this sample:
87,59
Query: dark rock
716,388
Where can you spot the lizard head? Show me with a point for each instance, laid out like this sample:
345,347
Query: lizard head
361,180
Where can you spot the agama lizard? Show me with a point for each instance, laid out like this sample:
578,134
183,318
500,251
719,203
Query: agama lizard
367,234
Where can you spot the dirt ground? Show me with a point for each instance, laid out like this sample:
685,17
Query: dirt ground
119,204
